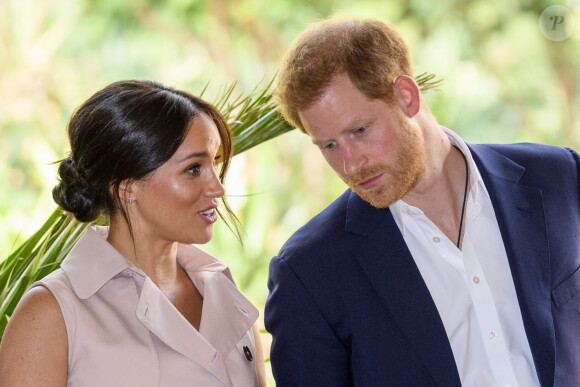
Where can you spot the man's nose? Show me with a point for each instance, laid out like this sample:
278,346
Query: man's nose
353,159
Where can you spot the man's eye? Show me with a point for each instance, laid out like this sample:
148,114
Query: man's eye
361,130
330,145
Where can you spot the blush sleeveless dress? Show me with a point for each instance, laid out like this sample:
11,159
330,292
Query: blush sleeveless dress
123,331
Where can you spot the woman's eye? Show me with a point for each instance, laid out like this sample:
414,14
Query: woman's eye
361,130
194,169
330,145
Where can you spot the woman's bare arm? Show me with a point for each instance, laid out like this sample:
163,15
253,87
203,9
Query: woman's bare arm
34,348
260,366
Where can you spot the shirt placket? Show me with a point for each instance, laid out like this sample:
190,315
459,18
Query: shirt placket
491,331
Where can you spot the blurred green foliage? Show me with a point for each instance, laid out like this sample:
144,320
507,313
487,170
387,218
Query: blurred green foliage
503,82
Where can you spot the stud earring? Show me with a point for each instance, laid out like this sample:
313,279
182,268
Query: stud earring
130,200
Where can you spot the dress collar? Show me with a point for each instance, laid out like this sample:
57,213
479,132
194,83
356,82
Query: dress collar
93,261
227,315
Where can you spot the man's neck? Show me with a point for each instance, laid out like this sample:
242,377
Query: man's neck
440,193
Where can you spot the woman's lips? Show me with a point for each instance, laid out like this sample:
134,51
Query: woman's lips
208,216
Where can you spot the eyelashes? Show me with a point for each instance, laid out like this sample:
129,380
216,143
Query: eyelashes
194,169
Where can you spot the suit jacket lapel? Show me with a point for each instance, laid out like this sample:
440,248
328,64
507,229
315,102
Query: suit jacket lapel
520,215
391,269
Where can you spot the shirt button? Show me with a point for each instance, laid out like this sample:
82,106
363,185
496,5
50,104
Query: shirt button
214,357
475,279
492,335
436,239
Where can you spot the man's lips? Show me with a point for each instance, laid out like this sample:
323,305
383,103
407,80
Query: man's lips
370,183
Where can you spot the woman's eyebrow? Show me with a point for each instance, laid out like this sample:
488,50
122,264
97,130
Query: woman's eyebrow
193,155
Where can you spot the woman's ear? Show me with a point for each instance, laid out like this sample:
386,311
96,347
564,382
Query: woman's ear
128,191
407,95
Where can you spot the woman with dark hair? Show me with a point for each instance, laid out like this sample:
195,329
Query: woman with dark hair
136,303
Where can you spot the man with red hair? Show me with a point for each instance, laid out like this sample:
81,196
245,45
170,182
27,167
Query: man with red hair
444,263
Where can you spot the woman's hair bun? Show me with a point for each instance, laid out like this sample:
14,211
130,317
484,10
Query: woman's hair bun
74,194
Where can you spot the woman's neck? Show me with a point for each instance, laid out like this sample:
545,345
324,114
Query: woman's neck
155,257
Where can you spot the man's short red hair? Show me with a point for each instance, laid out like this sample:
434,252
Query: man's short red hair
369,51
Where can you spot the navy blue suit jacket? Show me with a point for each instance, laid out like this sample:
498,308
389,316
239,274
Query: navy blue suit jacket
348,306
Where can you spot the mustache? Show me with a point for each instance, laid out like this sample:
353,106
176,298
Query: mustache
366,174
396,175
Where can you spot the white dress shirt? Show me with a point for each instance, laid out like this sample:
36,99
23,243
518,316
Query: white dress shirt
472,288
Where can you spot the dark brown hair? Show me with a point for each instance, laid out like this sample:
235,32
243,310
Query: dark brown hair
369,51
124,132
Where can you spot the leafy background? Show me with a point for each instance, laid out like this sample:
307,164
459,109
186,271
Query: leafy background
503,82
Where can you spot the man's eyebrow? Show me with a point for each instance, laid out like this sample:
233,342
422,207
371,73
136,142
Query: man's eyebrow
357,123
354,124
316,141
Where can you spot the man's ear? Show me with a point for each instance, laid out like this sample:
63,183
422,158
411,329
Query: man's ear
407,95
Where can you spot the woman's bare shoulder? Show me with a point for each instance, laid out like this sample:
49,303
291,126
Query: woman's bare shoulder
34,348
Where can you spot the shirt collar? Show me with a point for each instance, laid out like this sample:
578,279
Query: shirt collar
477,191
475,180
400,209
